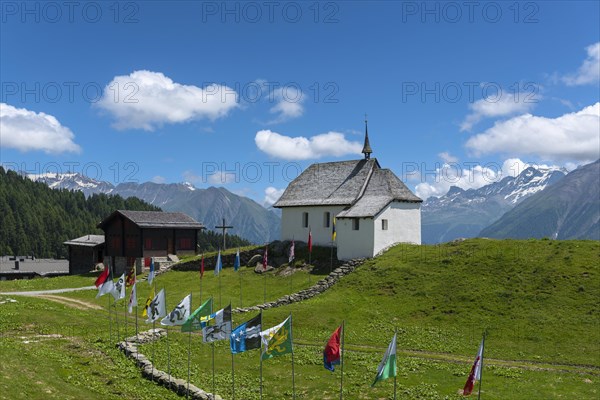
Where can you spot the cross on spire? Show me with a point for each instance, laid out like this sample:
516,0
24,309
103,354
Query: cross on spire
367,146
224,228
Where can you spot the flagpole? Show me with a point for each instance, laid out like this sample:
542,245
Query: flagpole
261,360
342,361
187,393
240,272
109,318
213,367
331,258
292,343
201,276
395,368
168,356
232,378
481,367
153,329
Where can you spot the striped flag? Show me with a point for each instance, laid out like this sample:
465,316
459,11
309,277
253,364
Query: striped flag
132,299
292,250
236,262
387,366
151,273
333,232
202,266
309,241
219,265
266,258
475,373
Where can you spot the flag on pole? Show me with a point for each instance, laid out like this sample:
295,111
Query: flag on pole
246,336
219,265
220,329
103,277
266,258
475,373
309,241
194,322
132,299
387,366
332,352
157,308
236,262
118,291
180,314
202,266
277,340
130,280
292,250
151,273
107,287
148,302
333,232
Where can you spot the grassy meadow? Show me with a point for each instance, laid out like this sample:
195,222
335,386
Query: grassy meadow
539,301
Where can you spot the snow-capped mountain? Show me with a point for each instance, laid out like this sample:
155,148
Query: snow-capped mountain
73,181
464,213
249,219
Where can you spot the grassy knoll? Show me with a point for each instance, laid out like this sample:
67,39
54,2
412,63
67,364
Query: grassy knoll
538,300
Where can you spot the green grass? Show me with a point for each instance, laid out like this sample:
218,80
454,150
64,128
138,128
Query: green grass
538,300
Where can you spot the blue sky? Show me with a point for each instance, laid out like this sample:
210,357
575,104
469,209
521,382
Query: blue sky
245,95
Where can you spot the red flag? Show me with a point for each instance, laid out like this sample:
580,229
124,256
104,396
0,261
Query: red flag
475,373
202,267
331,354
103,276
309,241
130,277
266,258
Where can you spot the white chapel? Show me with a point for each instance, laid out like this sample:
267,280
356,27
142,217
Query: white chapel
372,207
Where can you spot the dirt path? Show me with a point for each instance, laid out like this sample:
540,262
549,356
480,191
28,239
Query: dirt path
75,303
49,291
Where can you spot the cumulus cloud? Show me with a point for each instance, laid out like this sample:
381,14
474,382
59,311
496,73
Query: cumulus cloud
589,71
465,176
507,104
272,195
148,100
27,130
288,105
572,136
302,148
447,157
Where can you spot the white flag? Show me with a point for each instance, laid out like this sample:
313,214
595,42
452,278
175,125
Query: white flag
119,288
132,299
157,308
180,314
107,287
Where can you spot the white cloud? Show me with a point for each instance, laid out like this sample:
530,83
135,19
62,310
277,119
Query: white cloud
507,104
222,178
147,100
27,130
572,136
302,148
447,157
466,176
158,179
272,195
289,104
589,71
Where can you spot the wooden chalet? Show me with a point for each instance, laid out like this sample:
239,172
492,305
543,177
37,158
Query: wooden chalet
132,235
84,253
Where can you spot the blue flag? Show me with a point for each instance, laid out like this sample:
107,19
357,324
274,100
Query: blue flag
151,274
236,262
219,265
246,336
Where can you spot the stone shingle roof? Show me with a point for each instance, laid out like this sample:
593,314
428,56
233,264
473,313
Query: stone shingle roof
86,241
383,188
361,185
332,183
156,219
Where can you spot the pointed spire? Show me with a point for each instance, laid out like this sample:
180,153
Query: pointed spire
367,147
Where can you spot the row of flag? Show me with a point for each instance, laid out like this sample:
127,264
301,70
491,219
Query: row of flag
274,341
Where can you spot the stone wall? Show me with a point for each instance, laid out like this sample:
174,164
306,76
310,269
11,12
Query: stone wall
180,386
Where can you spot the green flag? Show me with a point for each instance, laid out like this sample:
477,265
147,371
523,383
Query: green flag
277,341
387,367
193,323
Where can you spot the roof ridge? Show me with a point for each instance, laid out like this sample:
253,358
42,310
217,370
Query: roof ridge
364,187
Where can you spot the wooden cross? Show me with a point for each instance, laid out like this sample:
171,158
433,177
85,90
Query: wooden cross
224,228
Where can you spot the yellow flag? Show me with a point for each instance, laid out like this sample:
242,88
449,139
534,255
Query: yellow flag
148,301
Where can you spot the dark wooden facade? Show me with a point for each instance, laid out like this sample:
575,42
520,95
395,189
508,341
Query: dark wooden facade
135,234
84,253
